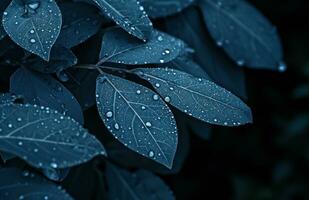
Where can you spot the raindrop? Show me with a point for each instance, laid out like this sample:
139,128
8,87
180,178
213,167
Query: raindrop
151,154
109,114
53,165
21,197
148,124
157,85
160,38
282,67
155,97
32,40
240,62
167,99
138,92
34,5
116,126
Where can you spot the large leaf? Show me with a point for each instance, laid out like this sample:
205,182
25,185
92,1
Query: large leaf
189,26
80,22
197,97
34,26
129,14
243,32
163,8
138,185
44,138
119,47
44,90
18,184
138,118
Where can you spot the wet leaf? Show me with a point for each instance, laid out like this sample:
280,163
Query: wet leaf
197,97
138,118
44,138
34,26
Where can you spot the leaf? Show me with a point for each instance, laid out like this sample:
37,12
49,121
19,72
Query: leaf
138,185
138,118
18,184
61,58
129,14
34,26
197,97
118,47
44,138
80,22
44,90
189,26
163,8
243,32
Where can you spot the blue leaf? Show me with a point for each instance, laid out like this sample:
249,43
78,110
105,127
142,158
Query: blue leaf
44,138
189,26
129,14
61,58
197,97
137,185
34,26
138,118
163,8
243,32
118,47
18,184
44,90
80,22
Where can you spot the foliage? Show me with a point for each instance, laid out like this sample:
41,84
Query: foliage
148,80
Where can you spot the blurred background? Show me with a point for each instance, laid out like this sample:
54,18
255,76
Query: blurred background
269,159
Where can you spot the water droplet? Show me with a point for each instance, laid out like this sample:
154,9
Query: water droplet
32,40
160,38
167,99
21,197
109,114
155,97
31,31
53,165
116,126
34,5
240,62
157,85
19,119
138,92
10,125
151,154
148,124
20,143
282,67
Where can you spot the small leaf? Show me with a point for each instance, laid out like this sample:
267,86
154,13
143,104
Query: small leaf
34,26
18,184
163,8
140,184
80,22
138,118
61,58
243,32
118,47
129,14
197,97
44,138
44,90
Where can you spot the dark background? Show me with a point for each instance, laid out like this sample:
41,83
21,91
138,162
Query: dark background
269,159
